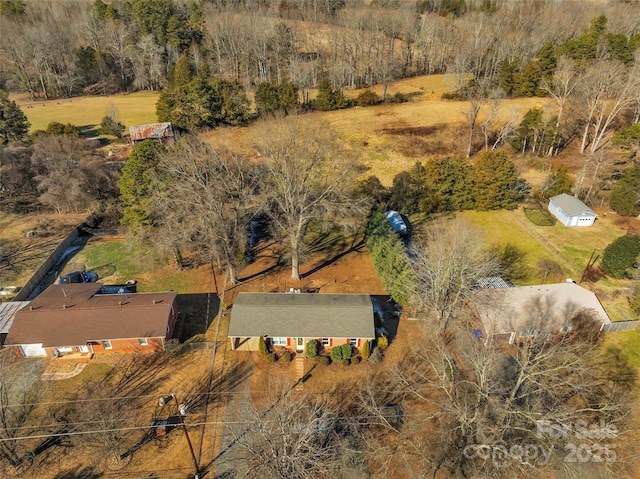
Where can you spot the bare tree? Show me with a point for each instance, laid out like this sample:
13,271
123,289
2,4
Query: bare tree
206,201
447,266
560,87
292,436
307,177
606,90
20,391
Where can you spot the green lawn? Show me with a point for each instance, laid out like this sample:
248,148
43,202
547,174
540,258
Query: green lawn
131,262
87,112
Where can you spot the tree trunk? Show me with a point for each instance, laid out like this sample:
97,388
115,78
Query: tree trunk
295,257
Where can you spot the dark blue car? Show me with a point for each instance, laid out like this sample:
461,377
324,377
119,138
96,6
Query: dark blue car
76,277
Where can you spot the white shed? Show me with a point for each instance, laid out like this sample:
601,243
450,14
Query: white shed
571,211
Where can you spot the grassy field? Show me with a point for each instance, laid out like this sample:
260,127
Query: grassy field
127,262
87,112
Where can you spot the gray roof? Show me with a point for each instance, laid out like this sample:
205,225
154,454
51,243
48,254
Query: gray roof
304,315
546,307
571,205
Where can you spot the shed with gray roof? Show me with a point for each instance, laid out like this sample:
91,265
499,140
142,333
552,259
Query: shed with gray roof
291,319
571,211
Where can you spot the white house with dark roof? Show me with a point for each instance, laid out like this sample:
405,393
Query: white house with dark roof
290,319
571,211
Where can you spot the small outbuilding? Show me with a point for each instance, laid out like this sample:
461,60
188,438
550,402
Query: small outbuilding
571,211
162,132
292,319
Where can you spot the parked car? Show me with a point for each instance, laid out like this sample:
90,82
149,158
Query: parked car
76,277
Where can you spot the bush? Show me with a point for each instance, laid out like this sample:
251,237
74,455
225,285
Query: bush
57,128
382,342
398,98
346,351
345,362
271,358
624,195
355,360
311,348
365,350
286,357
376,356
634,300
620,256
323,360
262,346
336,353
111,126
367,98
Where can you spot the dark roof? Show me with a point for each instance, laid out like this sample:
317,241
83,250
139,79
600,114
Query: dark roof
152,131
571,205
70,315
305,315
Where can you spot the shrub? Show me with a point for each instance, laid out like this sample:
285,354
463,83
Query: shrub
367,98
311,348
346,351
111,126
323,360
57,128
336,353
365,350
620,256
286,357
624,195
355,360
345,362
382,342
376,356
271,358
262,346
634,300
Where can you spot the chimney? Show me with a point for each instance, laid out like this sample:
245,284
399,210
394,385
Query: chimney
154,301
64,306
119,303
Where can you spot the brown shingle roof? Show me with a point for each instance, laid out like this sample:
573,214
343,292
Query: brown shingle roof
152,131
69,315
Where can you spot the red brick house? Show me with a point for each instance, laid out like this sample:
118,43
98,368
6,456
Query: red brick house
290,320
77,320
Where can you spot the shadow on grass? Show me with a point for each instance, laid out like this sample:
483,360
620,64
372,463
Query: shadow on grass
196,313
324,264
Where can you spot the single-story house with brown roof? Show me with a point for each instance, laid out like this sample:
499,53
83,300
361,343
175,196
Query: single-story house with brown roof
292,319
78,320
522,312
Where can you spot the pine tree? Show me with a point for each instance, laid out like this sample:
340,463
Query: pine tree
497,182
14,125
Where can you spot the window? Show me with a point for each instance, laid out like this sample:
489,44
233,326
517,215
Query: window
279,341
107,344
143,341
325,342
353,342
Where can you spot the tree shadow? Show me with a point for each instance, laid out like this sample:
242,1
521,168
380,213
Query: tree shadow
88,472
328,262
388,311
196,313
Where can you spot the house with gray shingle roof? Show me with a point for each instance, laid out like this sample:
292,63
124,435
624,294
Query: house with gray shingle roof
571,211
292,319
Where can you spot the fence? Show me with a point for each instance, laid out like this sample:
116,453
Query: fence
49,263
618,326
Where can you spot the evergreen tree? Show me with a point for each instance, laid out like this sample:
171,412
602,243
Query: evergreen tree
621,257
329,98
497,182
136,186
451,179
14,125
547,60
529,132
625,196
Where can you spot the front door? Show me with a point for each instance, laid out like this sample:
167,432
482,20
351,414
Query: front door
299,344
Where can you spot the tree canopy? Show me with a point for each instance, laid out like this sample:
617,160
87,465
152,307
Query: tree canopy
14,125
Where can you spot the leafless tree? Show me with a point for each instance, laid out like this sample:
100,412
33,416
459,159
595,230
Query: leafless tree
20,391
561,87
206,201
307,177
447,265
462,398
606,90
293,435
